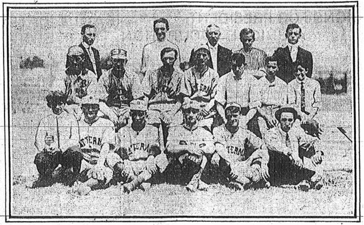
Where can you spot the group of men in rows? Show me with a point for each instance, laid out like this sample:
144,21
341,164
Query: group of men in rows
211,119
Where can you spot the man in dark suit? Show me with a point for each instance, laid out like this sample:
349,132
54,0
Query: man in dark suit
92,55
292,55
219,55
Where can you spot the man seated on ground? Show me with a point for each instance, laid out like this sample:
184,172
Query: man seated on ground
77,82
97,141
240,156
162,87
294,155
189,144
138,147
268,95
56,134
200,85
117,88
304,94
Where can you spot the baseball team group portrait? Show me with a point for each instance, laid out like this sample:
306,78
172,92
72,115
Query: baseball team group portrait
170,110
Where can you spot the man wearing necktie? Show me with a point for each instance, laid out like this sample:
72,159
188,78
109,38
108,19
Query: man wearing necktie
292,54
294,156
92,55
304,94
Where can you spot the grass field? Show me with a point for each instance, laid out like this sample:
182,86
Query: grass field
336,198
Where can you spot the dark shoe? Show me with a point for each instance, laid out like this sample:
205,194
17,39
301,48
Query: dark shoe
42,182
304,185
235,185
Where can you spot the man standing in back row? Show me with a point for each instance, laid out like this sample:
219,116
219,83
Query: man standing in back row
92,55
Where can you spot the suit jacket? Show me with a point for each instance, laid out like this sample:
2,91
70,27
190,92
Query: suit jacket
87,63
287,67
223,60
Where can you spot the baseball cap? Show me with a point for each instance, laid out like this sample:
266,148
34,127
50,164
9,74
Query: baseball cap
201,46
190,104
119,54
90,100
233,106
75,50
286,109
139,105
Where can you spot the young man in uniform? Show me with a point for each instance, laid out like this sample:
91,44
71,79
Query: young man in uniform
138,146
56,134
200,85
162,87
97,142
240,156
117,88
294,155
190,144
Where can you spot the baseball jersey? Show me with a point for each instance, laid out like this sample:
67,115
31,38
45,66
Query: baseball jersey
61,130
312,94
76,86
230,89
197,136
119,91
93,136
151,56
160,88
239,145
137,143
269,96
202,90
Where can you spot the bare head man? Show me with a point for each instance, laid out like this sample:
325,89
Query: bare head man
238,64
88,33
247,37
161,27
293,33
213,34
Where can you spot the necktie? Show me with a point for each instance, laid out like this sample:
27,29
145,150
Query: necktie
288,143
303,102
58,133
293,52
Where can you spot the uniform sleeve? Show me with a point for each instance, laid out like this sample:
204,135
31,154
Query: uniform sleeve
109,134
317,95
218,136
221,90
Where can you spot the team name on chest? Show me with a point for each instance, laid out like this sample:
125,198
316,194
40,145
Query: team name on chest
90,140
235,150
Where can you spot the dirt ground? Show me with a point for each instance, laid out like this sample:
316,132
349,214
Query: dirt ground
335,199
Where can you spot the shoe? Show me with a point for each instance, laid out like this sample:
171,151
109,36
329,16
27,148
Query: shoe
202,186
319,185
42,182
128,187
145,186
235,185
303,185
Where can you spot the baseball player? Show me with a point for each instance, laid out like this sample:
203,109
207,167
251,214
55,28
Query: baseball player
77,82
304,93
56,134
117,88
200,85
97,141
240,155
268,95
295,156
190,144
162,87
138,146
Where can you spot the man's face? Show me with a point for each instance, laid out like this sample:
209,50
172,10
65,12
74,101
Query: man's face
286,121
293,35
89,35
90,111
190,116
237,68
77,61
168,59
272,68
232,117
160,30
119,64
213,35
247,40
202,56
138,117
300,73
58,107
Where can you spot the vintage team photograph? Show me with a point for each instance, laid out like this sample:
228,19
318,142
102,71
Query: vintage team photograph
174,111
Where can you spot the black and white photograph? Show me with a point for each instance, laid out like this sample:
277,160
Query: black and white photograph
181,111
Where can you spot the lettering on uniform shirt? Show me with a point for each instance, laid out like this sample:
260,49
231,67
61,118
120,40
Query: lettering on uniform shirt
235,150
86,142
138,151
81,86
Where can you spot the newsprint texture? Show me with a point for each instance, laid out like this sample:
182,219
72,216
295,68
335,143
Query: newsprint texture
181,111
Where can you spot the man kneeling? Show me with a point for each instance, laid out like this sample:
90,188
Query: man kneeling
240,156
139,149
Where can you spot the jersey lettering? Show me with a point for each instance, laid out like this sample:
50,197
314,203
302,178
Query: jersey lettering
89,140
235,150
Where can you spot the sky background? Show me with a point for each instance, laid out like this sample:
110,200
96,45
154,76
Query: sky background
48,33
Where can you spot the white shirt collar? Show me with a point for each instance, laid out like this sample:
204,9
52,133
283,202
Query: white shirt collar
291,46
212,47
86,45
